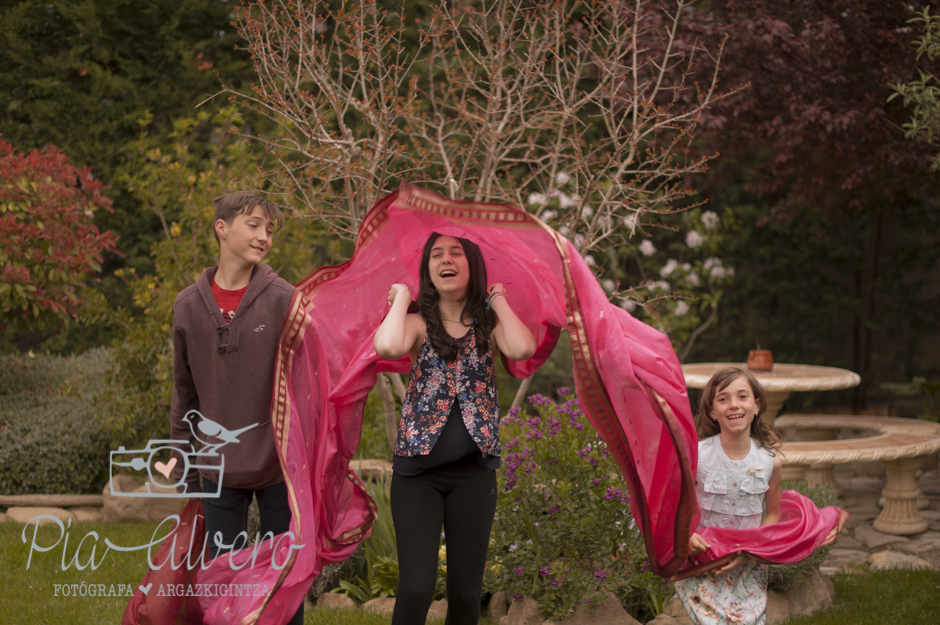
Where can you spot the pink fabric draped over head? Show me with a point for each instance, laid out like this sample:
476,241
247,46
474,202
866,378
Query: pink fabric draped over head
626,373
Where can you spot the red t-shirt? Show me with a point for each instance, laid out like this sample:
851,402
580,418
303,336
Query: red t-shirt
228,300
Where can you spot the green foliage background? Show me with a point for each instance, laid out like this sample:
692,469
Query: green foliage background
177,183
52,439
80,74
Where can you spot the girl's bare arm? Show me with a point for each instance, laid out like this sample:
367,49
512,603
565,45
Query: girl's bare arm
399,331
512,337
772,496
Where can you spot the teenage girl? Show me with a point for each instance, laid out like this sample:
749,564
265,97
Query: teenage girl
738,487
447,448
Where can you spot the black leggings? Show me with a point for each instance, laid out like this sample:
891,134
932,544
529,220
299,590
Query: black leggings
461,497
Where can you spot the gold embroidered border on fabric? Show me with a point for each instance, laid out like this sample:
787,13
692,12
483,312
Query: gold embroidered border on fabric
292,335
425,201
359,533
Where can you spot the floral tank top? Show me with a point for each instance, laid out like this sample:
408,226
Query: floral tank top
434,384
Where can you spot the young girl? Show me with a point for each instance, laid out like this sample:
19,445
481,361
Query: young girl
447,449
738,487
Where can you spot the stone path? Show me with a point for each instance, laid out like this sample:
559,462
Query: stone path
861,547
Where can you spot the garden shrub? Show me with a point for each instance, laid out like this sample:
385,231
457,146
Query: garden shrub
563,530
784,576
375,563
373,442
52,437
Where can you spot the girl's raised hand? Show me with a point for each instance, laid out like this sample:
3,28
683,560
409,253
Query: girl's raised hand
494,288
395,290
697,544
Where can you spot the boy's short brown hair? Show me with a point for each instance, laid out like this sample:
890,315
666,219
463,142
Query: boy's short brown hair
231,205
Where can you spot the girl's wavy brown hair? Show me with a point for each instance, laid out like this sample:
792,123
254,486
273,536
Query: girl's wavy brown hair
474,303
766,435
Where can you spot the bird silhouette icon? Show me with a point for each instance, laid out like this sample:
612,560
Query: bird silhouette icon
202,426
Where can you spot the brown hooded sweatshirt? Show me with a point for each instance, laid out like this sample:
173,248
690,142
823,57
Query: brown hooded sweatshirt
226,372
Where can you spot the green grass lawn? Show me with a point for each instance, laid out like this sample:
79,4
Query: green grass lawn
898,597
27,596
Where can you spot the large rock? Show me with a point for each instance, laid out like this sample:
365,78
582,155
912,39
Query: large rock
663,619
814,594
778,609
136,508
923,544
372,469
25,514
523,612
873,539
335,601
380,605
607,612
847,560
885,560
675,610
438,610
87,514
498,607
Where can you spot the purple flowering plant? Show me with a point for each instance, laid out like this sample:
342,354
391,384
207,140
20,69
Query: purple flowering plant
563,531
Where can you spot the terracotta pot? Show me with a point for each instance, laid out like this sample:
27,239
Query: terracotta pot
760,360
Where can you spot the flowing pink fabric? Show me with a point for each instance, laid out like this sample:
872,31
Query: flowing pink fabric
626,374
153,609
802,529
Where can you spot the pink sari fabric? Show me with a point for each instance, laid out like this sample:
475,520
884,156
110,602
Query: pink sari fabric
802,529
626,373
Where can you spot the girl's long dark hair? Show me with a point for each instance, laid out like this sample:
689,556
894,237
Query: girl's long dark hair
766,435
474,303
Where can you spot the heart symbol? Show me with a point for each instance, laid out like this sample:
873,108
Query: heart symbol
146,589
165,469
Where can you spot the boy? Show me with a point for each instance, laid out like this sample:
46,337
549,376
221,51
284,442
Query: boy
226,329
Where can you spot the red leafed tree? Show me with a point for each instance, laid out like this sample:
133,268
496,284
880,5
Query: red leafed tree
816,146
49,247
814,126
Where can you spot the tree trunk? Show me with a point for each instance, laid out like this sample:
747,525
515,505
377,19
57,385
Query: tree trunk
398,384
520,394
384,389
52,501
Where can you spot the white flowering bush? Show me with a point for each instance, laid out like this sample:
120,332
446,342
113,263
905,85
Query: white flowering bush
675,277
666,271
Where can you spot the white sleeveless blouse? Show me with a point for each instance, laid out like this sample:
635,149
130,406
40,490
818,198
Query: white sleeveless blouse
731,492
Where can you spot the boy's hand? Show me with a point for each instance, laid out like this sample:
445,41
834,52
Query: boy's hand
697,544
395,290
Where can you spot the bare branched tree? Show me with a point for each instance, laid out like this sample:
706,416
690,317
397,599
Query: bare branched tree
580,110
493,100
